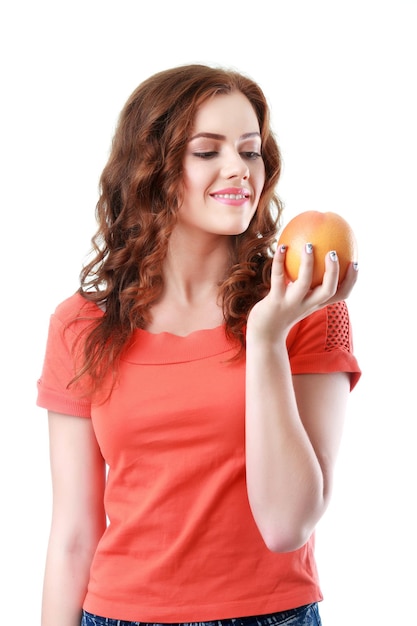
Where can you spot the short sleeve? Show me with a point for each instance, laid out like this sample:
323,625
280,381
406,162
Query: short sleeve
322,343
59,366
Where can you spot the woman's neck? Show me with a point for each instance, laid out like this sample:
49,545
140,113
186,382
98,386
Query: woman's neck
191,276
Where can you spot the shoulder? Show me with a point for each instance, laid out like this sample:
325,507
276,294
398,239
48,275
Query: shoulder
76,307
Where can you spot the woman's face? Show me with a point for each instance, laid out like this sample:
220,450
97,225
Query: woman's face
223,170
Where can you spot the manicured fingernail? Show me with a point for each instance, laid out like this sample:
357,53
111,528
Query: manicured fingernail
333,255
309,248
282,248
355,266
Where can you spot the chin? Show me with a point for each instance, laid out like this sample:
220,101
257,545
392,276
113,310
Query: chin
236,230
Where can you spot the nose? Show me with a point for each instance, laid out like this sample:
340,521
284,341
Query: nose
235,166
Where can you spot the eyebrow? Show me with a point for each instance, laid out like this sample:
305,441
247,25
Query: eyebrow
222,137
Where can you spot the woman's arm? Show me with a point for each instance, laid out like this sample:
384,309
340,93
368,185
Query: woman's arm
293,436
78,517
293,423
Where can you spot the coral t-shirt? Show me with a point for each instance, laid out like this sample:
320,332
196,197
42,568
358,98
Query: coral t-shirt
181,544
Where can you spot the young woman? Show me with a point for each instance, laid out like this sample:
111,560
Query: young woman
196,397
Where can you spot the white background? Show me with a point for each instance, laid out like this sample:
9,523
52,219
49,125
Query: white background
341,79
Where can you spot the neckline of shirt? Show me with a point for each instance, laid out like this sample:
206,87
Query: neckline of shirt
165,347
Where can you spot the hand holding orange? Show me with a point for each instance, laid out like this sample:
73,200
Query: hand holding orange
326,231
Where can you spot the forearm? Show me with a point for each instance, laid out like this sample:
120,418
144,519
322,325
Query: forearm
78,517
284,478
65,585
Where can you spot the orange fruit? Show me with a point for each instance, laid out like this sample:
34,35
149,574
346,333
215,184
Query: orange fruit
326,231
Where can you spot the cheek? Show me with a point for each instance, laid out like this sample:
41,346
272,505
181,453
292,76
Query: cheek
193,180
257,171
259,177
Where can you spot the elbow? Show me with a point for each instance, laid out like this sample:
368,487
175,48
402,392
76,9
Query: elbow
285,544
287,530
280,540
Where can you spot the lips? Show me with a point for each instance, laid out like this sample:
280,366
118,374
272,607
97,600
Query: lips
231,193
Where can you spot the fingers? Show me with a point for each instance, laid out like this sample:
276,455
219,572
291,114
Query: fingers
332,269
329,290
278,264
346,286
290,301
305,272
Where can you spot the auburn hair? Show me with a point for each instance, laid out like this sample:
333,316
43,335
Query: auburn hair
139,195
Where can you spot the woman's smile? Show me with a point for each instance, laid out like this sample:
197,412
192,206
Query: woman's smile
231,195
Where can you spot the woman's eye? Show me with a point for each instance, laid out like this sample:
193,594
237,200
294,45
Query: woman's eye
251,155
210,154
206,155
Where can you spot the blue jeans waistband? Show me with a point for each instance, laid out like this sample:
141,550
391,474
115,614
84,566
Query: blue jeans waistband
302,616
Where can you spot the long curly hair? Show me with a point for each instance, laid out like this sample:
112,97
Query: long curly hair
140,192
